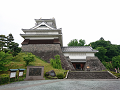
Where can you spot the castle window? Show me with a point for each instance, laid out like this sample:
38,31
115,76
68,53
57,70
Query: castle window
42,25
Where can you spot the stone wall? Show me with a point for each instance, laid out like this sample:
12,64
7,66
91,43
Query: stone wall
47,51
94,64
90,75
69,61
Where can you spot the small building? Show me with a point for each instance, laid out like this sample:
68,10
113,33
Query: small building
78,55
46,41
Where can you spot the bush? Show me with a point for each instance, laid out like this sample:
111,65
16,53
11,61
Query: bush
60,76
46,74
28,58
5,58
56,63
108,65
116,74
4,80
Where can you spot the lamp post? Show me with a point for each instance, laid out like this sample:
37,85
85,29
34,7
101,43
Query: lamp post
88,68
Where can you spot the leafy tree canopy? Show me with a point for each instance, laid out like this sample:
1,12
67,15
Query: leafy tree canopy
101,53
116,61
29,58
56,63
5,58
2,41
10,38
8,42
100,43
75,42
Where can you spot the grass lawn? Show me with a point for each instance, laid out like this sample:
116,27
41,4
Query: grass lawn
18,62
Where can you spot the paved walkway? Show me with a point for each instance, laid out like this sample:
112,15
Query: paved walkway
65,84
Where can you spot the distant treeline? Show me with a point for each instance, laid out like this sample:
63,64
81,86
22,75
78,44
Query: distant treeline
107,52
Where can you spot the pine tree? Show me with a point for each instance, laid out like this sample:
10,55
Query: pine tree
9,39
2,41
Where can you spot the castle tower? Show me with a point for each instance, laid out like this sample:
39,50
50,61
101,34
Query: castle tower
45,40
44,32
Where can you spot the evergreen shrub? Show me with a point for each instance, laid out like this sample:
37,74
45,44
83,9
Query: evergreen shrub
60,76
46,74
29,58
56,63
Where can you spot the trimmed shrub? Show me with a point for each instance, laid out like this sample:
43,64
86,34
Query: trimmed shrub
60,76
4,80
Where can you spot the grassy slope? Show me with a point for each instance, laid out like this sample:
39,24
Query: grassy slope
19,63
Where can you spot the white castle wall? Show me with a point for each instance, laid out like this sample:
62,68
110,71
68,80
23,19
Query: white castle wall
42,33
79,55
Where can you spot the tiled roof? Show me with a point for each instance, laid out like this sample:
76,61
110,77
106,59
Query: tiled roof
78,49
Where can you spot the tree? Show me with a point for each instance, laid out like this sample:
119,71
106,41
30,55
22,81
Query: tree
81,42
56,63
28,58
108,65
5,58
112,51
14,48
75,42
101,38
9,39
116,61
101,53
100,43
2,41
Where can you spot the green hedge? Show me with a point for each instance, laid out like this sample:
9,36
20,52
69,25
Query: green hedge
60,76
5,79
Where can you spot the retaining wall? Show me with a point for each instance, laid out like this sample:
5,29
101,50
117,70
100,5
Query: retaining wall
48,51
94,64
90,75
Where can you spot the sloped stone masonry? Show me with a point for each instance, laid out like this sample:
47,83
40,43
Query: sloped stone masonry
47,51
94,64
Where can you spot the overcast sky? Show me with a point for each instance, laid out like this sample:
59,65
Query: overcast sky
79,19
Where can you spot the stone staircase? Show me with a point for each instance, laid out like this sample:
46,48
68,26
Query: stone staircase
90,75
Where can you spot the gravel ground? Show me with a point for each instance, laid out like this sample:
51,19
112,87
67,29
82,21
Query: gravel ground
65,84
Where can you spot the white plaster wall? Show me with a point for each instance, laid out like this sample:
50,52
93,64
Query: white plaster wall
42,33
90,54
76,55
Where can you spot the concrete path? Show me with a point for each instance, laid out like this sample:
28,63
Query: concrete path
65,84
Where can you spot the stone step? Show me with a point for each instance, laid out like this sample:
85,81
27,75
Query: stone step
90,75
